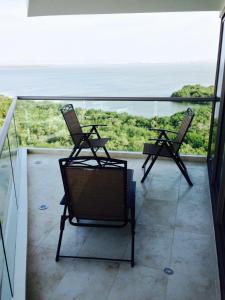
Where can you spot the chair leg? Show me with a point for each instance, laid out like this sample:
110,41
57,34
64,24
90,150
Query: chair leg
149,168
146,161
183,169
182,163
78,152
132,245
106,152
95,156
133,223
73,151
62,226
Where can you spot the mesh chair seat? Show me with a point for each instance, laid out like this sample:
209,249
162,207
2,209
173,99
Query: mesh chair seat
95,143
152,149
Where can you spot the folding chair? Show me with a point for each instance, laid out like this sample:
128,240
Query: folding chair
166,147
83,140
97,196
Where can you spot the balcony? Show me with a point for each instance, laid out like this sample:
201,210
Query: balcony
174,229
174,226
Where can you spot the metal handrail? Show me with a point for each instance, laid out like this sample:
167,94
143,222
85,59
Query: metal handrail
111,99
5,128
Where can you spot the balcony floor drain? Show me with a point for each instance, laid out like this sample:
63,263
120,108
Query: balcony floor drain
43,206
168,271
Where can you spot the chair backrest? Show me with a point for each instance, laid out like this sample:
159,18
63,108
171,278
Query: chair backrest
185,124
93,192
72,123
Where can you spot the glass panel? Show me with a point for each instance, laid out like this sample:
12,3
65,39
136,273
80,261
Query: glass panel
5,184
219,158
216,140
1,265
13,143
5,292
40,123
221,66
8,210
10,234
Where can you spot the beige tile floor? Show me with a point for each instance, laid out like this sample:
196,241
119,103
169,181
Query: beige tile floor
174,229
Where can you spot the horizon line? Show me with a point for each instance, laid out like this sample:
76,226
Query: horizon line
104,64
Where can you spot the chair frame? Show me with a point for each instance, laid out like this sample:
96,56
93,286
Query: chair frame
164,142
84,136
81,161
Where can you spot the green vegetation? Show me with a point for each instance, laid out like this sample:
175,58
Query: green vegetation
195,90
40,124
4,105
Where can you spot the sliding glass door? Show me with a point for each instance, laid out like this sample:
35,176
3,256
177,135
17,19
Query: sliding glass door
216,158
216,153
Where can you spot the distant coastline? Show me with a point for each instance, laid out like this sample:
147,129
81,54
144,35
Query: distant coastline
118,80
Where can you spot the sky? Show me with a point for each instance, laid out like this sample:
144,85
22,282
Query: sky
106,39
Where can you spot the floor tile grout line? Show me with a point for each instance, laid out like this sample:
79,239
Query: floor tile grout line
85,239
173,235
113,282
170,260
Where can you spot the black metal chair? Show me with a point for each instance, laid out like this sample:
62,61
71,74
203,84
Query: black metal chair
83,140
97,196
166,147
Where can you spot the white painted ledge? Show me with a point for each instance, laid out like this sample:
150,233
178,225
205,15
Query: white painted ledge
22,227
114,154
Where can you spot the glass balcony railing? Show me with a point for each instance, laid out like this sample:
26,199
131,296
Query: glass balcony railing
8,203
40,123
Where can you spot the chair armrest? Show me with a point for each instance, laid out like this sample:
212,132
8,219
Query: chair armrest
94,129
84,136
82,133
164,140
162,130
93,125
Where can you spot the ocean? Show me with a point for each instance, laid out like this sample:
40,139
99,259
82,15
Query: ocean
135,80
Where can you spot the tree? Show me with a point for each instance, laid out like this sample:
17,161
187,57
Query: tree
195,90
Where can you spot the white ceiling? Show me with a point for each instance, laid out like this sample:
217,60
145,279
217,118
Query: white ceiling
71,7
